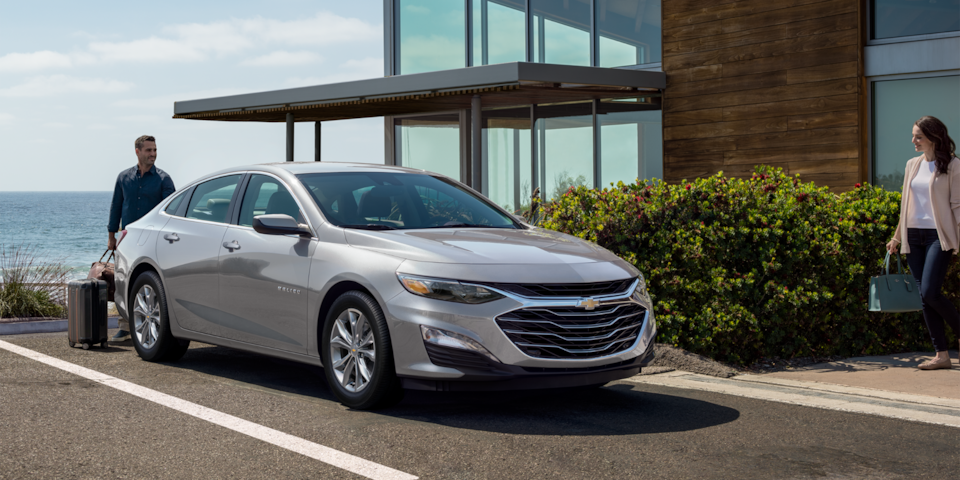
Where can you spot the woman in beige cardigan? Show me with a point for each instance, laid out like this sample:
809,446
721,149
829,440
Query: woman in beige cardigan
930,216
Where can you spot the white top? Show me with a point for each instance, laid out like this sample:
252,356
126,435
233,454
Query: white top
921,210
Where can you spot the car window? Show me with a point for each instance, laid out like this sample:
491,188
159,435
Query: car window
400,200
265,196
175,204
211,199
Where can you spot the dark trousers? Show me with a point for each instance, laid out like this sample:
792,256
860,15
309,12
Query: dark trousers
928,263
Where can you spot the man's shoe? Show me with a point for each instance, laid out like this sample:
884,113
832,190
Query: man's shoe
936,364
121,336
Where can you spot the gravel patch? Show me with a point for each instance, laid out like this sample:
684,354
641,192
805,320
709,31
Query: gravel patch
669,358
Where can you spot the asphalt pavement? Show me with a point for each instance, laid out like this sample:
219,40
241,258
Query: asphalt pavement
57,424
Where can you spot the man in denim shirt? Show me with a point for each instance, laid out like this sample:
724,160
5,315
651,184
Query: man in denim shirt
138,190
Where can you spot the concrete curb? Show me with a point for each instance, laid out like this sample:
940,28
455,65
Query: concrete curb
44,326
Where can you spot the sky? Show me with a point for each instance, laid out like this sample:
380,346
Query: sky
80,81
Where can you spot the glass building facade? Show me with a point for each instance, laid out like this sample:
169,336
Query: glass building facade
911,82
524,147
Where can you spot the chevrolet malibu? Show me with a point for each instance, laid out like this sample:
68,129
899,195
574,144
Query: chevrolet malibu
388,277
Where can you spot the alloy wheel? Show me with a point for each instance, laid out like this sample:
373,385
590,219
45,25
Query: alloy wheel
146,317
352,350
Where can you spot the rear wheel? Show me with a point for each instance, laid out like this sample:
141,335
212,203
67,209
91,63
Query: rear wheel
150,324
357,355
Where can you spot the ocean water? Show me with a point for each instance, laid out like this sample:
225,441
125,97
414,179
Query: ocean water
67,225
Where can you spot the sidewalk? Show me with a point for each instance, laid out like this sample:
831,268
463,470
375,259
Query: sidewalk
892,373
889,386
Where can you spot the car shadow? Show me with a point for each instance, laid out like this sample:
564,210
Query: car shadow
616,409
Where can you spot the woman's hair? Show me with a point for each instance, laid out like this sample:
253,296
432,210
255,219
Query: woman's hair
943,147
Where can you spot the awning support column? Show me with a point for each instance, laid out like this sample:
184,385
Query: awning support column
476,143
289,137
316,141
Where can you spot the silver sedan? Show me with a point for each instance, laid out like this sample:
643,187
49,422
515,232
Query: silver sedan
390,278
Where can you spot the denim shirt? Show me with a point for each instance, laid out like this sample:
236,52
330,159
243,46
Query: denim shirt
135,195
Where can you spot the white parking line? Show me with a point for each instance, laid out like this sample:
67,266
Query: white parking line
918,408
316,451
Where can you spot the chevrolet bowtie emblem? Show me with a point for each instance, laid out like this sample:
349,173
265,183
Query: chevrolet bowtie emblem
588,303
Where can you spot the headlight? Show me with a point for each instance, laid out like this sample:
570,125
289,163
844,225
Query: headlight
449,290
641,289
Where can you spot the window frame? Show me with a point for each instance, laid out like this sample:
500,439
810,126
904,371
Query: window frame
230,209
235,216
911,38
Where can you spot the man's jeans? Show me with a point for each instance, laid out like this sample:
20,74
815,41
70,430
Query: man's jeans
928,263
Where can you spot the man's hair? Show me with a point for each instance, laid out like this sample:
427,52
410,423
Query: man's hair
143,138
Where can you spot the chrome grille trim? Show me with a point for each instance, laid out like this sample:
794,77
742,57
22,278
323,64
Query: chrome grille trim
575,327
590,350
552,335
573,339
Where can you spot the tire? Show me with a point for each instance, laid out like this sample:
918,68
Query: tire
357,380
73,344
150,323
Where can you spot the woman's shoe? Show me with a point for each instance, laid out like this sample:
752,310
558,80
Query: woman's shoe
936,364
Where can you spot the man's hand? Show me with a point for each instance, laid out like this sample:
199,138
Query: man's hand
112,241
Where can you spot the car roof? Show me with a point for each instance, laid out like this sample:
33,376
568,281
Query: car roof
296,168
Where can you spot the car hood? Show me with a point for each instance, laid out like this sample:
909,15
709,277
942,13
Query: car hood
482,246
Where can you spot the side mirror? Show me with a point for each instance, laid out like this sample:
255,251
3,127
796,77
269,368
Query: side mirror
279,224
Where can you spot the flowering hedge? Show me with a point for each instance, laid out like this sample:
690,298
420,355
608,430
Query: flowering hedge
741,269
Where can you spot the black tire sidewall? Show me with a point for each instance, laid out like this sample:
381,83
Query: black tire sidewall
166,342
384,384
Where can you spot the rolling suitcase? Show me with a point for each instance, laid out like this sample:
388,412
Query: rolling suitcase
87,312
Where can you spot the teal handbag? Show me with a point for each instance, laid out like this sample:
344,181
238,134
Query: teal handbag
894,293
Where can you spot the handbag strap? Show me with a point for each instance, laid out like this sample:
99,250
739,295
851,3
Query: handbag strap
885,269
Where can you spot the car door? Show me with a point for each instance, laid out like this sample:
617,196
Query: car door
188,250
263,278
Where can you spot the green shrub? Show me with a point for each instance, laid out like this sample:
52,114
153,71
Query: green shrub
741,269
32,286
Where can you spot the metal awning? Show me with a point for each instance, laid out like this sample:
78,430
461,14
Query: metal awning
502,85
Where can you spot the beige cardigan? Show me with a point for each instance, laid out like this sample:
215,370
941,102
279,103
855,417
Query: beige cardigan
945,197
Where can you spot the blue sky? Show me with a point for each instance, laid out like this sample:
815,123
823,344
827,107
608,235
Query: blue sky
79,81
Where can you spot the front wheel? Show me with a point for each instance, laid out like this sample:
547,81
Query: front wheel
356,353
151,324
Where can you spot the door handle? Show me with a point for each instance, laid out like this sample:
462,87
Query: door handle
231,246
171,237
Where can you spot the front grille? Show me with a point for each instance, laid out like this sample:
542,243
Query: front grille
571,332
565,289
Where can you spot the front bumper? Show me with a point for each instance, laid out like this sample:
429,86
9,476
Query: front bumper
427,366
500,377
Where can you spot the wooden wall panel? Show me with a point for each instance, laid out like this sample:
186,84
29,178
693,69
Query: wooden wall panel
773,82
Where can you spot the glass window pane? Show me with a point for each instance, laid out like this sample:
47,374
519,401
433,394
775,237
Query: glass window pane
897,104
431,35
174,205
211,199
399,200
562,30
631,142
430,142
900,18
506,158
266,196
503,40
629,32
565,147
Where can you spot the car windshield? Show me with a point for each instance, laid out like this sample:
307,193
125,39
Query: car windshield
402,201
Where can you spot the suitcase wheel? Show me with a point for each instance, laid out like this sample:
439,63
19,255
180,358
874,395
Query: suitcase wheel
73,344
86,346
103,344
